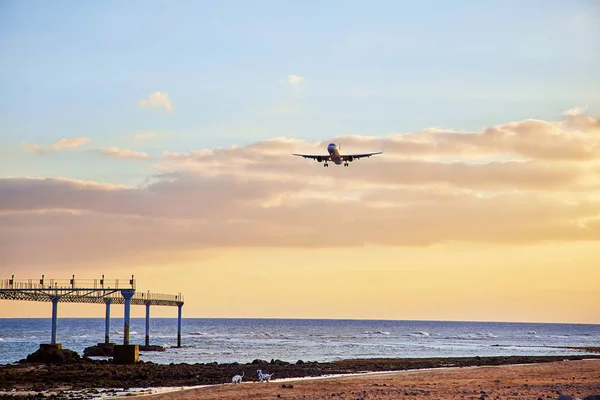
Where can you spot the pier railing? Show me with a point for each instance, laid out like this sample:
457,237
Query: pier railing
82,291
67,283
99,291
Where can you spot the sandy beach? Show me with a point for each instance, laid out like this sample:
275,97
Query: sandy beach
534,381
435,378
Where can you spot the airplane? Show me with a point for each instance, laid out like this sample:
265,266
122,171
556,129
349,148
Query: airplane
335,156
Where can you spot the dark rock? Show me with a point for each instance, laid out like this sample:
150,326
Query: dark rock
51,355
152,348
102,374
100,350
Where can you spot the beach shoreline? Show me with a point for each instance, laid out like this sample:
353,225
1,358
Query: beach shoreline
90,378
545,380
548,380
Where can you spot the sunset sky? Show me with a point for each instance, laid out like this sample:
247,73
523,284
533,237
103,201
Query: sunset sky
153,138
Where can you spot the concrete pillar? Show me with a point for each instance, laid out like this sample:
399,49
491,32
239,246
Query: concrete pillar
179,306
127,295
55,300
126,353
148,323
107,322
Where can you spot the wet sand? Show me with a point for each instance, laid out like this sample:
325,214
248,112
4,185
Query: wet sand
82,373
579,378
83,378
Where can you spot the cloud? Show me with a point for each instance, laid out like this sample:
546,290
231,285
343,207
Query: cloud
294,79
522,182
115,152
158,100
575,118
145,136
57,146
32,148
575,111
70,143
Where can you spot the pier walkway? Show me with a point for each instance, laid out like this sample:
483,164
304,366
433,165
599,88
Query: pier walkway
94,291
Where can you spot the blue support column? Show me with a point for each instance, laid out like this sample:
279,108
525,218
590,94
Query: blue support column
107,322
127,295
148,323
55,300
179,306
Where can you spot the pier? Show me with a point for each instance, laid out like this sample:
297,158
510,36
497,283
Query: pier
93,291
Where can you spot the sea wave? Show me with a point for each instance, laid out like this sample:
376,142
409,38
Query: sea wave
377,333
244,340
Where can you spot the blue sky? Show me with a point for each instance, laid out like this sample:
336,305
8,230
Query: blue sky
79,69
453,216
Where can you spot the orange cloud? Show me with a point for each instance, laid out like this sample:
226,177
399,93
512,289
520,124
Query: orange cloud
69,143
158,100
57,146
427,188
32,148
115,152
145,136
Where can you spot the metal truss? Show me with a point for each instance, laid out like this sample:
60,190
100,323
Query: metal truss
91,292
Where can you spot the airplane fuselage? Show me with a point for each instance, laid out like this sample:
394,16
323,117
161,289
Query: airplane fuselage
334,153
334,156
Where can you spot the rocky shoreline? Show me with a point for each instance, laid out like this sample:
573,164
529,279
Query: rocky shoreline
85,373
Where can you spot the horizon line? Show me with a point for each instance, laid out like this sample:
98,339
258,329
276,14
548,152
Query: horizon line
329,319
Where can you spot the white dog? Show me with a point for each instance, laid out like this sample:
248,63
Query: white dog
237,378
263,377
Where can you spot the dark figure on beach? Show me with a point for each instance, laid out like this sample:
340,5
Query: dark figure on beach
265,368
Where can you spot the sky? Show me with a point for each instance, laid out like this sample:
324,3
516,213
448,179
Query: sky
153,138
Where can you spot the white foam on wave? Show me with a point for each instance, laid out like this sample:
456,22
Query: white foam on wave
473,336
377,333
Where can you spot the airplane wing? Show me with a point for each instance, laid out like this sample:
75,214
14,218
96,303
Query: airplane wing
314,157
357,156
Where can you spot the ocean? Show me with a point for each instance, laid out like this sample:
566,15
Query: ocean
206,340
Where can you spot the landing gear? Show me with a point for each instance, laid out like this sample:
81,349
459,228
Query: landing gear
326,165
345,164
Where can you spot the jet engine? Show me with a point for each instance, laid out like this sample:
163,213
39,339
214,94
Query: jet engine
320,159
350,158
